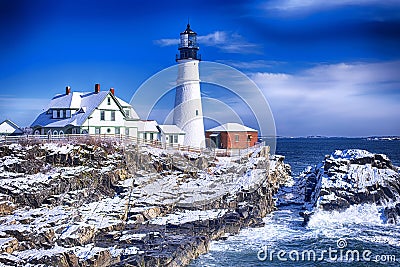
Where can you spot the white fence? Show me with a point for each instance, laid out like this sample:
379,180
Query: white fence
86,138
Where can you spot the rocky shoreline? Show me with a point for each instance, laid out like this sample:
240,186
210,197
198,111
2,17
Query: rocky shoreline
351,177
103,203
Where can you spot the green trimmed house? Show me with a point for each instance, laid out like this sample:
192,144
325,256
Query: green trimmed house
97,112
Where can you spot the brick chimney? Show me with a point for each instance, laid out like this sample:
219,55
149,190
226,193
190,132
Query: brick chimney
67,90
97,88
112,90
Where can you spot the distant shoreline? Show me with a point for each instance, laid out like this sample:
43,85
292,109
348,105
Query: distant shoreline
378,137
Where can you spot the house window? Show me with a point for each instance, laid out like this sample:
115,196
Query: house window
54,114
151,136
109,101
127,131
236,138
145,136
171,139
97,130
113,115
68,113
175,139
108,130
127,113
61,113
73,130
102,115
117,130
249,137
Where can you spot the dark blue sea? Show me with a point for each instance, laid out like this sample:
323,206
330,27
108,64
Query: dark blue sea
355,237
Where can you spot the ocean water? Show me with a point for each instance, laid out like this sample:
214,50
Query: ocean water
355,237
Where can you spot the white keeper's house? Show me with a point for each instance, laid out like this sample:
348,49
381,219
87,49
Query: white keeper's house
96,112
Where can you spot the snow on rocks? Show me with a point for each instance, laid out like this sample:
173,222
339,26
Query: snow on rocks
85,204
189,216
58,148
351,154
352,177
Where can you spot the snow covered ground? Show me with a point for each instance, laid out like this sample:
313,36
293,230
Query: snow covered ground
59,211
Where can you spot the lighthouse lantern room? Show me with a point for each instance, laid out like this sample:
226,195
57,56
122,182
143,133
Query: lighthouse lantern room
188,47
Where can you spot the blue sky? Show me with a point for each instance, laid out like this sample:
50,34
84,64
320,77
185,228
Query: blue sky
325,67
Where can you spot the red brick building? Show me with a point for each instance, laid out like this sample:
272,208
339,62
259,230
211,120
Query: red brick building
232,135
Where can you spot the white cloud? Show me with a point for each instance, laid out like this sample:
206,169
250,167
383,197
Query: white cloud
213,39
227,42
339,99
315,5
251,64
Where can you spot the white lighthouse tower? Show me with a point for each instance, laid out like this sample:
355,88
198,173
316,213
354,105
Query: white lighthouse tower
188,113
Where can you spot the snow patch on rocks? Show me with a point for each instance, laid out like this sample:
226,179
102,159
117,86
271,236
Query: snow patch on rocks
352,177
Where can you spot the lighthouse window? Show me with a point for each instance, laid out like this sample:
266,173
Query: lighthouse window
197,112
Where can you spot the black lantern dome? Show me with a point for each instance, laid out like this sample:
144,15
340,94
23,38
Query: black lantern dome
188,47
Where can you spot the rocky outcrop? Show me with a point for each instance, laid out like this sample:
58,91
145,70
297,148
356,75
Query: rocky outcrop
352,177
108,203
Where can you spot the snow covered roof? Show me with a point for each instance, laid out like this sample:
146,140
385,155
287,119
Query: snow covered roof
171,129
232,127
84,103
70,101
8,127
147,126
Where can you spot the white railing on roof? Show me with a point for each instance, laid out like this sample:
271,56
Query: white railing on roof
227,152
